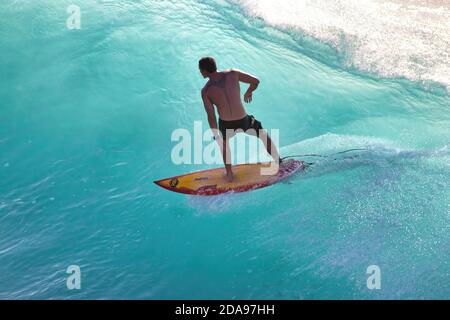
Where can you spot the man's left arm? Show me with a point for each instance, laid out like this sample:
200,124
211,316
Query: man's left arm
250,79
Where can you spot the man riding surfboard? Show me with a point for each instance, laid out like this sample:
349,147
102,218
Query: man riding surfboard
223,91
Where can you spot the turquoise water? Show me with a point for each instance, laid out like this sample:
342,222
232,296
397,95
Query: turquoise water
86,119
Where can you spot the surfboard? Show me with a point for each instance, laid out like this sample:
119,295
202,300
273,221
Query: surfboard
247,177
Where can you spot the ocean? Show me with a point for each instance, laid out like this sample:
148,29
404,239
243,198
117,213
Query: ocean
87,115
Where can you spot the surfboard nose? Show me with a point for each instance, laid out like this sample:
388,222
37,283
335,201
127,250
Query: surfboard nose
162,183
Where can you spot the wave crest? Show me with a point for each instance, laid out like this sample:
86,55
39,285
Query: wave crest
397,38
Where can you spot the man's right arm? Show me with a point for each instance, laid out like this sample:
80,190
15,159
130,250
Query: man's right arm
209,108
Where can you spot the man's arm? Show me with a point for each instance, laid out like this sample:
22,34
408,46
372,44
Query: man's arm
209,108
248,78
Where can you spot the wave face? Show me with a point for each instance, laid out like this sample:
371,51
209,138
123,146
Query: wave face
397,38
86,119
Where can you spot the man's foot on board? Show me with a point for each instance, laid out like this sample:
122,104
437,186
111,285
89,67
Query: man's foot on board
279,162
229,176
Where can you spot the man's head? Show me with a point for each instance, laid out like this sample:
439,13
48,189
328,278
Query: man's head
207,66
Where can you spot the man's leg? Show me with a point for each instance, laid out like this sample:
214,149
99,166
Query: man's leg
227,158
270,146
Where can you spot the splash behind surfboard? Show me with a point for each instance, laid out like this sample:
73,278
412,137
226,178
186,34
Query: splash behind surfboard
247,177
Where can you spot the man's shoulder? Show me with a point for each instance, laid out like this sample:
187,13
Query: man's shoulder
205,89
234,70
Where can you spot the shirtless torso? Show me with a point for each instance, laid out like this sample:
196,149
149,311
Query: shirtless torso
224,91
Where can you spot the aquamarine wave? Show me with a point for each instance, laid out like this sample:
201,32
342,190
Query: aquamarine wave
86,120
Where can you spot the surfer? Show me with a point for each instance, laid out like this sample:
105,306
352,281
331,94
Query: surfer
223,91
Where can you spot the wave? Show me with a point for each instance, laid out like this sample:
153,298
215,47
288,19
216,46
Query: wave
346,152
390,38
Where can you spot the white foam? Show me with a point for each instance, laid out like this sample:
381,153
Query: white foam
396,38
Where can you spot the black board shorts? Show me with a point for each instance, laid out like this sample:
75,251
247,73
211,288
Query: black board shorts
244,124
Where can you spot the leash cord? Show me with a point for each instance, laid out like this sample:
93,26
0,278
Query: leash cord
321,155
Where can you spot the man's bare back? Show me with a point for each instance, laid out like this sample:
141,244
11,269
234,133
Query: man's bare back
224,91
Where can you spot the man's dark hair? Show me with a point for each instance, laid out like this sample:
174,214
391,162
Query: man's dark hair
208,64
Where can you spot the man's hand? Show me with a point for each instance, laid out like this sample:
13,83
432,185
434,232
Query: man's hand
248,78
219,141
248,97
216,135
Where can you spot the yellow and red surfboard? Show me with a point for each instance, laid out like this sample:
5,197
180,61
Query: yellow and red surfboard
247,177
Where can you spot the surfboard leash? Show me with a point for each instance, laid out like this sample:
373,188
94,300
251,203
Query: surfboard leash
321,155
